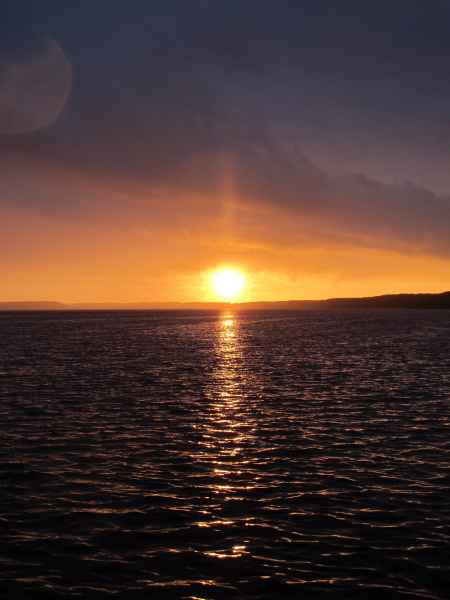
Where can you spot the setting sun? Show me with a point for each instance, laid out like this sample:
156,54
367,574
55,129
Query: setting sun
228,283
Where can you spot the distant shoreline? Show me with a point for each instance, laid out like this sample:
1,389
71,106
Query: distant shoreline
398,301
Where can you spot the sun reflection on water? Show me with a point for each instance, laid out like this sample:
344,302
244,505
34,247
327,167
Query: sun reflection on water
226,435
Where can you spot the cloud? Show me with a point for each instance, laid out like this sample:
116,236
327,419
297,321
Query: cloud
190,105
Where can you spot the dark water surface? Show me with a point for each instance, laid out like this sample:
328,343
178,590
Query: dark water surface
225,455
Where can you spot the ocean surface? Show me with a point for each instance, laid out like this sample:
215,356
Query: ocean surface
212,455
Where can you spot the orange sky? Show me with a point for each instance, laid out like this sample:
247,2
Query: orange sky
138,158
158,256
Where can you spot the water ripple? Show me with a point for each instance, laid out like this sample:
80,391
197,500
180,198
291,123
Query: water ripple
225,455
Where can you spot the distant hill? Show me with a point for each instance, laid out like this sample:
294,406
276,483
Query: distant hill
386,301
393,301
42,305
149,306
404,301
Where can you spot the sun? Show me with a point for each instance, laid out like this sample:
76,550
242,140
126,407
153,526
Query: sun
228,283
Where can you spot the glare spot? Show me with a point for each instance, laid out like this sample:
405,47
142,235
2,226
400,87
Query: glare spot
228,283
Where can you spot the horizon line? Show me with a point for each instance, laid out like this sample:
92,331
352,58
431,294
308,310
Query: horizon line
402,300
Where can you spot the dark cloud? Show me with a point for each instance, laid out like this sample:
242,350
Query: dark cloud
162,91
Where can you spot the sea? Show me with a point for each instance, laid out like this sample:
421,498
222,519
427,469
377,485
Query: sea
225,455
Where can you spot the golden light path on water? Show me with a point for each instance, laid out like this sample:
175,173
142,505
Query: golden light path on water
228,431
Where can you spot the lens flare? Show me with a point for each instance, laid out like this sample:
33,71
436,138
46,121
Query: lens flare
228,283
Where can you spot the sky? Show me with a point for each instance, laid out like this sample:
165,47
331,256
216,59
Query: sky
145,144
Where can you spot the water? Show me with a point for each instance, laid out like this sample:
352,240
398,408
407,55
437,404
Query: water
225,455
